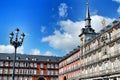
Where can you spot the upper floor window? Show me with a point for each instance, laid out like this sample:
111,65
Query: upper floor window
41,65
5,78
5,71
48,72
48,65
1,70
20,71
10,71
52,72
21,64
52,65
1,63
16,64
56,72
41,72
34,71
6,63
31,64
35,64
9,78
56,65
16,71
11,63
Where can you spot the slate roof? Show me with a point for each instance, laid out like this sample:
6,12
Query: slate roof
10,56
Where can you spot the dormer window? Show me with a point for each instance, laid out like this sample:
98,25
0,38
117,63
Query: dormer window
34,59
17,58
27,58
8,57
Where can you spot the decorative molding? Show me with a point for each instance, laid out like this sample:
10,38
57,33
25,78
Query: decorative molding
111,44
118,41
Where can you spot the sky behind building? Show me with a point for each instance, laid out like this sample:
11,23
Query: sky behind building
51,26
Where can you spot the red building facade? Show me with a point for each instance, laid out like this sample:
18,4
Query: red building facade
69,66
29,67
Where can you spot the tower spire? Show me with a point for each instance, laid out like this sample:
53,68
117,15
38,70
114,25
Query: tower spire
87,19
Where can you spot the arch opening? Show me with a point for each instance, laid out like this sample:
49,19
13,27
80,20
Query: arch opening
41,78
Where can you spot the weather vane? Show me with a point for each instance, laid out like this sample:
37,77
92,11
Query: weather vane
103,22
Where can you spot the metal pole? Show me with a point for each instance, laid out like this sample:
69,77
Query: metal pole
13,74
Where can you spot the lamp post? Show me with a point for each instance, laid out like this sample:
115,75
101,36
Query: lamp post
16,43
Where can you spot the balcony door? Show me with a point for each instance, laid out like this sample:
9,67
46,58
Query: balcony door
65,78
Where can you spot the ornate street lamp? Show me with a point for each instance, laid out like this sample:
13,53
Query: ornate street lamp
16,43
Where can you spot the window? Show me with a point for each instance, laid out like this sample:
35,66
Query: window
51,78
1,63
41,65
48,72
26,64
35,64
11,63
48,65
30,71
21,64
16,64
25,78
0,77
52,72
30,78
5,71
16,71
16,78
8,58
31,64
34,71
1,70
41,72
11,71
56,72
56,65
52,66
9,78
25,71
5,78
20,78
27,58
20,71
17,58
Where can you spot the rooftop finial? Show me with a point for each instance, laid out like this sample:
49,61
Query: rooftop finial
87,19
103,22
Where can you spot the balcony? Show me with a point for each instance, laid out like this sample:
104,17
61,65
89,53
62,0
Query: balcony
102,72
113,38
98,59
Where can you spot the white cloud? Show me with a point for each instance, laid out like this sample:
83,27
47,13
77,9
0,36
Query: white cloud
118,10
116,1
10,49
63,10
42,29
96,22
35,52
48,53
67,37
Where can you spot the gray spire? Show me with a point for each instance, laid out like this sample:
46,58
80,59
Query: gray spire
87,19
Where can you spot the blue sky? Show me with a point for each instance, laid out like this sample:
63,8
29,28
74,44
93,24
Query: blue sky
51,26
